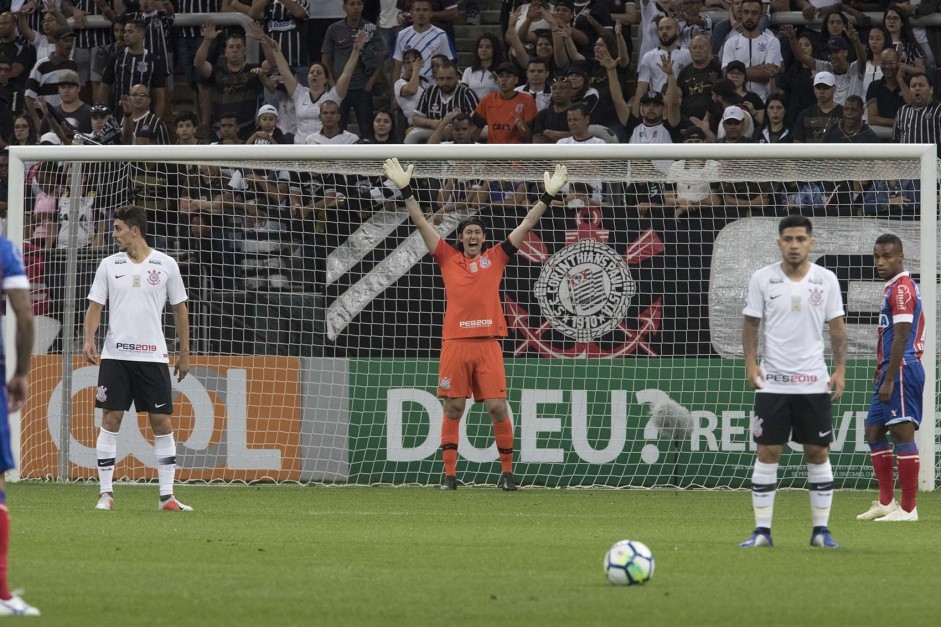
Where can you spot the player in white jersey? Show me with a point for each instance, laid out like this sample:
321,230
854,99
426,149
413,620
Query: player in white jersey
137,282
794,298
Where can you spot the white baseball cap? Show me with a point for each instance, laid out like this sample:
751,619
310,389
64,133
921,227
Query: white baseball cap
50,138
733,113
825,78
266,109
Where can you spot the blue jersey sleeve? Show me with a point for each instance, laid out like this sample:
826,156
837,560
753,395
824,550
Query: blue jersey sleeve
11,265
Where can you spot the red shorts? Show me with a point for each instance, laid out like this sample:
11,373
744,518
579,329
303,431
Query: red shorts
472,367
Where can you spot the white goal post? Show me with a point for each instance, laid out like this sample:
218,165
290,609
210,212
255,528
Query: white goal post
328,373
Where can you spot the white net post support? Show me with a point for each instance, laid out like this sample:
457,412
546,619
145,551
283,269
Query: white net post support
610,162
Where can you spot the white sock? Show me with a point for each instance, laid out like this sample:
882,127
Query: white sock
764,483
107,451
165,451
820,483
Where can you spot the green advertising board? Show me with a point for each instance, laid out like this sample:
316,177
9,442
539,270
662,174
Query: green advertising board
586,422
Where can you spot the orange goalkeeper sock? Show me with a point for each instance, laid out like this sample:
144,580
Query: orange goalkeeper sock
449,438
503,433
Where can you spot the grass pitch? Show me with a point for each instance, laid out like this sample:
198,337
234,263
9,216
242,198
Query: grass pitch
416,556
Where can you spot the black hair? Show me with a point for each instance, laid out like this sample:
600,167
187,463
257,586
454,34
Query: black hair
187,116
890,239
473,220
795,221
132,216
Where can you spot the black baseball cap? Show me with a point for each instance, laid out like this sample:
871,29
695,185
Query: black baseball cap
652,97
508,67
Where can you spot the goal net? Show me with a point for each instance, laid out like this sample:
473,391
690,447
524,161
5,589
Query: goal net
316,312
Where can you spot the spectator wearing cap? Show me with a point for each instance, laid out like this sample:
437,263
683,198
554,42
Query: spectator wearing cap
537,83
71,115
658,124
849,77
44,78
650,72
886,95
758,49
582,91
551,123
133,65
15,47
813,122
696,79
266,122
507,113
735,127
748,100
104,130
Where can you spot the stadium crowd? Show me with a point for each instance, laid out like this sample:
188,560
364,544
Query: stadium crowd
386,72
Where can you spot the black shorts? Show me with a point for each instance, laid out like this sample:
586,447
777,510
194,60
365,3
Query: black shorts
803,418
146,383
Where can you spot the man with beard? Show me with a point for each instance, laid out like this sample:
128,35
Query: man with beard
759,50
71,115
650,74
696,79
887,95
446,95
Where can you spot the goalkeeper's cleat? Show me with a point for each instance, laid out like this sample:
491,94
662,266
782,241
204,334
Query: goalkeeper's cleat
173,505
820,537
105,501
507,483
760,537
448,483
878,510
900,515
16,606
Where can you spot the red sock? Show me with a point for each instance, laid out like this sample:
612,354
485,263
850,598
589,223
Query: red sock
908,480
4,549
883,464
503,433
449,438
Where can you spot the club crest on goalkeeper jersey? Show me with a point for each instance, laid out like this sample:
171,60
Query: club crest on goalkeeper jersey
472,289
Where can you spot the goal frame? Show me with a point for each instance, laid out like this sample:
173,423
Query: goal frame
925,154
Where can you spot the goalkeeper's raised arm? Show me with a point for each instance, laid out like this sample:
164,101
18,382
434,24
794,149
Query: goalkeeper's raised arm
402,178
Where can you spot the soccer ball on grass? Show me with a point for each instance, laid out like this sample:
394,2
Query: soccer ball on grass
628,563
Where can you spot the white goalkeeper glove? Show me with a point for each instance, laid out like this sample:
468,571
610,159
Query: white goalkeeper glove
394,172
556,181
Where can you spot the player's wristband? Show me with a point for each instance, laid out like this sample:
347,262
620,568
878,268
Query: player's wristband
407,192
547,199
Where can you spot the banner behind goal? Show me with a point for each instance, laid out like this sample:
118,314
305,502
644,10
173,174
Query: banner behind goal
316,313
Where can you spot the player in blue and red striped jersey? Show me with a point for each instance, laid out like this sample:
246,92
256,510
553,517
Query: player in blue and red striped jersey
899,382
16,287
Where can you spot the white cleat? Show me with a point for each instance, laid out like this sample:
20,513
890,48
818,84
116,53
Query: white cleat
878,510
105,501
900,515
173,505
16,606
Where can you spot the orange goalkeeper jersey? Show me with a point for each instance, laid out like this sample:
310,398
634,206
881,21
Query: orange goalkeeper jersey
472,289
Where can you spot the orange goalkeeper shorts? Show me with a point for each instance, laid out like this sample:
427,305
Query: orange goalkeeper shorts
472,367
